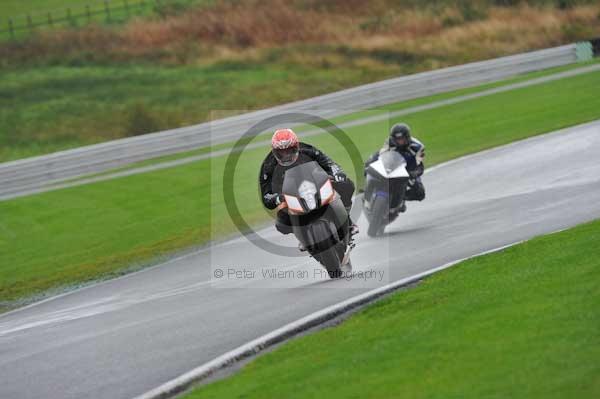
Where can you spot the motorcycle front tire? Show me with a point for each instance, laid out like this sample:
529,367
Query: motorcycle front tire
325,250
379,208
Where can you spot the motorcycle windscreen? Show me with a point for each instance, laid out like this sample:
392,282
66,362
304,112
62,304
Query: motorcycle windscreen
385,188
392,160
394,164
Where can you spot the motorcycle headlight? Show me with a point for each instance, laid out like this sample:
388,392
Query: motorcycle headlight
293,203
307,191
326,193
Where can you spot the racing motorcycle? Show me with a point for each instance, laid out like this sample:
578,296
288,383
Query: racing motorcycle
318,217
385,190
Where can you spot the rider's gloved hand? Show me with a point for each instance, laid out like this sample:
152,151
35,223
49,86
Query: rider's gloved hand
418,171
280,199
339,177
274,199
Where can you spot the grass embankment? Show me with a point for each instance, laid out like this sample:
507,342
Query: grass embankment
403,105
12,8
80,103
98,230
520,323
65,88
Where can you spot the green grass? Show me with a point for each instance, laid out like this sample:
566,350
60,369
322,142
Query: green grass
98,230
19,7
357,115
84,86
53,108
50,108
60,11
50,14
521,323
10,8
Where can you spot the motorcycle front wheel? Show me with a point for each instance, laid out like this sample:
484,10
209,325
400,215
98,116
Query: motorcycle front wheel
325,250
379,208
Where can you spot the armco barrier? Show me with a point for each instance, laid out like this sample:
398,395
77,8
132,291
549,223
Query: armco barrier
49,169
584,51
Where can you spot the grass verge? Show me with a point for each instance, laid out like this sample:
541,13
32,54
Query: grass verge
54,107
98,83
523,322
358,115
36,16
96,231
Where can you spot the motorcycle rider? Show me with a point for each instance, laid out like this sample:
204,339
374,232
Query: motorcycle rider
286,152
413,151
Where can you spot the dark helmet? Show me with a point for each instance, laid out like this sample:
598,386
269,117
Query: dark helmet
400,135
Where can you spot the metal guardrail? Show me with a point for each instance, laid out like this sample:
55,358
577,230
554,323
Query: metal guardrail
584,51
53,168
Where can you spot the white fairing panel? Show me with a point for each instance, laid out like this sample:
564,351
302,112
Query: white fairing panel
378,166
398,172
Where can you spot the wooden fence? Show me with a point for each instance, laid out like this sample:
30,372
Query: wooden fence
106,11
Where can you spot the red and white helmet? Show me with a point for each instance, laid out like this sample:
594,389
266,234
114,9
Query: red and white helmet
285,146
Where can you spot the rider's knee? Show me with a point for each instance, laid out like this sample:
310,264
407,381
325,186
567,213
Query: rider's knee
416,193
346,190
283,223
283,228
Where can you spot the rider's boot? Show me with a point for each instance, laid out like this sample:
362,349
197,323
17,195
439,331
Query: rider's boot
353,226
402,206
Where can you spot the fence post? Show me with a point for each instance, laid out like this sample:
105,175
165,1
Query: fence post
126,4
29,23
11,28
50,21
107,9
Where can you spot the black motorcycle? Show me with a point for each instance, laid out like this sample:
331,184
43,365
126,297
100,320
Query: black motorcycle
318,217
385,190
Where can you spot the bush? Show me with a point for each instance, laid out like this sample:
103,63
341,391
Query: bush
173,7
472,12
139,119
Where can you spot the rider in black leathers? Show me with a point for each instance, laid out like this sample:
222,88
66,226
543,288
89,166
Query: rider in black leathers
272,173
413,151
